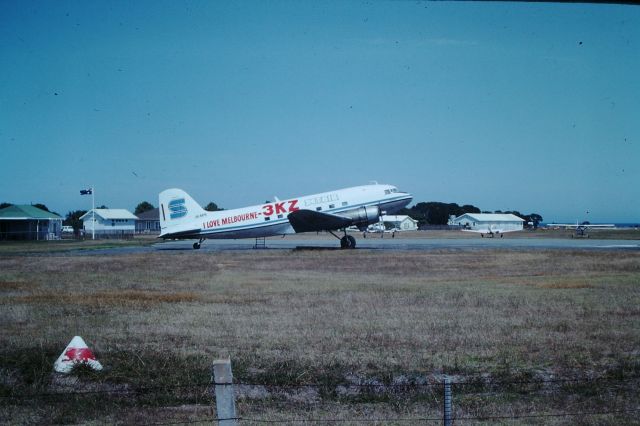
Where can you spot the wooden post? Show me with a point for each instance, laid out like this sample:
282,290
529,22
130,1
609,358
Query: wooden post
225,398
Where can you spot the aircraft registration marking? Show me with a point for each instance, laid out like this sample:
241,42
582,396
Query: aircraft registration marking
280,208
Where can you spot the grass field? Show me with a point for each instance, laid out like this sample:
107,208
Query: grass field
330,320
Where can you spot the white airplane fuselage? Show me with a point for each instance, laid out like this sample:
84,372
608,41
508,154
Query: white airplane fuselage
182,218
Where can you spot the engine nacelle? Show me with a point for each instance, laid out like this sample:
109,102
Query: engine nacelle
363,216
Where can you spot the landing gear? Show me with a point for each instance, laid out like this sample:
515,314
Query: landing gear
196,246
346,242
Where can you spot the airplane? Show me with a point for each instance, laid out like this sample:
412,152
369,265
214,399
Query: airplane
490,231
581,229
181,217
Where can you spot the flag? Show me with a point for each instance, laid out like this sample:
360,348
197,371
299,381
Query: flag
86,191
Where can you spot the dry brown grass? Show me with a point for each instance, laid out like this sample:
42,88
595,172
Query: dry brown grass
307,316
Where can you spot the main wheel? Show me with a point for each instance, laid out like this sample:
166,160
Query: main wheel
344,242
352,241
196,246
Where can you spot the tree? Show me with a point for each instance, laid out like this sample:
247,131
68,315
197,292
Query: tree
143,207
41,206
5,205
102,207
73,219
536,219
212,207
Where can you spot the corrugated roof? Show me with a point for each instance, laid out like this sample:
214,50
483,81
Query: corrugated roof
395,218
492,217
26,212
112,214
153,214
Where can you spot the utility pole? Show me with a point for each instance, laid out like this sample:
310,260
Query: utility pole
93,213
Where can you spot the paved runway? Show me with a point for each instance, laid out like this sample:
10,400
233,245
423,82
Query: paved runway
376,243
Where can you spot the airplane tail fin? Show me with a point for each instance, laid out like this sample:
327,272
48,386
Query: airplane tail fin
176,208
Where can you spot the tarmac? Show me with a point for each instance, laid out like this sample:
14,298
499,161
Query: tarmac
388,243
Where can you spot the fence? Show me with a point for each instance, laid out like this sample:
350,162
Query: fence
446,401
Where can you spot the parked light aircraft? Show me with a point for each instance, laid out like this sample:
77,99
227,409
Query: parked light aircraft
490,231
182,218
581,229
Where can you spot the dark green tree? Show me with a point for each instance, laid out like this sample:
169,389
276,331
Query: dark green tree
143,207
41,206
5,205
73,219
212,207
535,218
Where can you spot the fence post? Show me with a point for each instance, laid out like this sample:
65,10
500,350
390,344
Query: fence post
447,401
225,398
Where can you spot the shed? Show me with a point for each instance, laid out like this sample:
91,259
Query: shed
148,222
26,222
401,222
479,221
110,222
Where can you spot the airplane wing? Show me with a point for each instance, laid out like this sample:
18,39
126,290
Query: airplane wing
488,231
310,221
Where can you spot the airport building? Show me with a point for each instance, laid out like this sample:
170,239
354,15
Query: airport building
477,221
400,222
148,222
109,223
25,222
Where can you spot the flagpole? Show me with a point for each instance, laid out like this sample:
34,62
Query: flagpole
93,213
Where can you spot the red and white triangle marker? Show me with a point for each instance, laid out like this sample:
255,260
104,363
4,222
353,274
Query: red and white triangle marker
76,352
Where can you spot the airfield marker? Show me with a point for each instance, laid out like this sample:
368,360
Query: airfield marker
76,352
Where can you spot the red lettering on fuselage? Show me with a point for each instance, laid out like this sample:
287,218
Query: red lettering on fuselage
293,205
280,207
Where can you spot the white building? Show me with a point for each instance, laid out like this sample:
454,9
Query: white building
403,223
479,221
109,222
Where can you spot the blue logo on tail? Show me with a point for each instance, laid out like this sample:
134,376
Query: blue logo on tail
177,208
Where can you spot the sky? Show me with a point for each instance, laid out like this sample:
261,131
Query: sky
506,106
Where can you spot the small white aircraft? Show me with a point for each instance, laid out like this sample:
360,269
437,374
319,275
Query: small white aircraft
182,218
581,229
490,231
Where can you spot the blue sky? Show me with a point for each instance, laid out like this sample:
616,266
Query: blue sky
533,107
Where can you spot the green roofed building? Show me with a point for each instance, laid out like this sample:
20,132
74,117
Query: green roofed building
25,222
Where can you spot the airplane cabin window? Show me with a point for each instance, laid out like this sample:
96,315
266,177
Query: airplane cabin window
344,203
318,208
267,218
331,206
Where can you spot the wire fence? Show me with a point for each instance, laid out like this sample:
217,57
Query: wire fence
261,402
